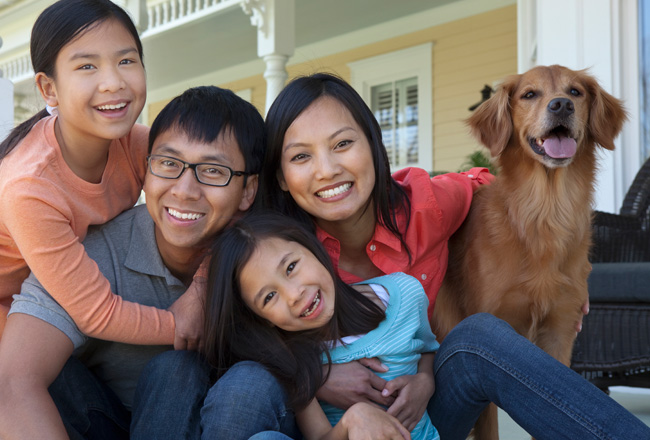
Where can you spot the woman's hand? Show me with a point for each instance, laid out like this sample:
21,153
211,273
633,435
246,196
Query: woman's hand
355,382
412,395
367,422
188,313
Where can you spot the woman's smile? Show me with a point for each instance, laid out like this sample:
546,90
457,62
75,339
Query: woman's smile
335,191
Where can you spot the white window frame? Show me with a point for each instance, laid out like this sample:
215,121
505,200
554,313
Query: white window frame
394,66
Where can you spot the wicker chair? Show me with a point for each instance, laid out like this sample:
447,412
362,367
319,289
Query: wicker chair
614,345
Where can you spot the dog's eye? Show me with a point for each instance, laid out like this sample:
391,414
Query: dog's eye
575,92
529,95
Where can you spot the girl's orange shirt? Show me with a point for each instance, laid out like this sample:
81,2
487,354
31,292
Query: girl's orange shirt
46,211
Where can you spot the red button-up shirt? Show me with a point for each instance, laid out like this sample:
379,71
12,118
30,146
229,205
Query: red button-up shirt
438,207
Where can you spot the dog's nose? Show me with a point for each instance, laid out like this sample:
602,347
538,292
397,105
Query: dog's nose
561,107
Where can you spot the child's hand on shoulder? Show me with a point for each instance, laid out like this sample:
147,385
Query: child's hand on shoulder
188,313
412,394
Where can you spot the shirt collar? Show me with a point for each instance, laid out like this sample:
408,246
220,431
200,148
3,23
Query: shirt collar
381,235
143,255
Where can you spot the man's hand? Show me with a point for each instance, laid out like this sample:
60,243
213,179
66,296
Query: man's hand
189,313
355,382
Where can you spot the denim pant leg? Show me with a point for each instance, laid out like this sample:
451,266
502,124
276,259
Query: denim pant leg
88,408
169,397
269,435
245,401
484,360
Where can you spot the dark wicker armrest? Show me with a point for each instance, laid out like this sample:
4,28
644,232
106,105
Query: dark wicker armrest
619,238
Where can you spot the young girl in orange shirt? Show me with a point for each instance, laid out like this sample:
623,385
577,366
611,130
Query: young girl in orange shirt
79,162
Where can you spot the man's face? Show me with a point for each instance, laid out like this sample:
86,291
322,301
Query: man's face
187,213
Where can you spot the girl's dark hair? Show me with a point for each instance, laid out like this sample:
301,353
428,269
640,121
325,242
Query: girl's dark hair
300,93
59,24
235,333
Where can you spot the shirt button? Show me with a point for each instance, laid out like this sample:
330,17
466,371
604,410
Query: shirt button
373,247
424,276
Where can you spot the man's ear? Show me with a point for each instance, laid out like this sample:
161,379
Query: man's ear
281,181
249,193
47,88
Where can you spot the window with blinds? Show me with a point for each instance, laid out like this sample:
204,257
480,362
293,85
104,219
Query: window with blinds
397,88
395,105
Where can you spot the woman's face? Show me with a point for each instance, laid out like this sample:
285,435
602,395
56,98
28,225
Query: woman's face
326,163
284,283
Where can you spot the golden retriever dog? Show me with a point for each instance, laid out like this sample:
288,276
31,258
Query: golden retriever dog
521,254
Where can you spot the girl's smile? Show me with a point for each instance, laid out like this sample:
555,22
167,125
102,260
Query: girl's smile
99,87
285,284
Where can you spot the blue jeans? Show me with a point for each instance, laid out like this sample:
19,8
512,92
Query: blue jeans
88,408
269,435
176,400
484,360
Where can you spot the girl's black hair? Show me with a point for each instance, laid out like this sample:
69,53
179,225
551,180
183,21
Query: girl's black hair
300,93
235,333
59,24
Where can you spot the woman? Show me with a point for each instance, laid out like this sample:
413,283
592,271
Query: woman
327,166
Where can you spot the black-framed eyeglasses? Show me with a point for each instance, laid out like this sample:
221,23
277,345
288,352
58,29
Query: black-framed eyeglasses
212,174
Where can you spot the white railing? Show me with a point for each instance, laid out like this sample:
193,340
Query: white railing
162,16
172,13
17,69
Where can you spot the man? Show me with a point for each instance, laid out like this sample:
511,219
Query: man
206,147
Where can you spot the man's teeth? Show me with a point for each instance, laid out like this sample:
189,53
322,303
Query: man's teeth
183,215
310,310
334,191
112,106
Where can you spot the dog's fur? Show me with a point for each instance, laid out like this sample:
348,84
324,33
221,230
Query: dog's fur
522,252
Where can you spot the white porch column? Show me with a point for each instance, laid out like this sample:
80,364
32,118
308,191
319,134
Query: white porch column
6,105
601,35
275,21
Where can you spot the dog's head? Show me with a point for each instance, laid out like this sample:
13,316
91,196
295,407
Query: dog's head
552,112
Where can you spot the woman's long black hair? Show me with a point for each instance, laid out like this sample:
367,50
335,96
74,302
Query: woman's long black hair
388,196
235,333
56,26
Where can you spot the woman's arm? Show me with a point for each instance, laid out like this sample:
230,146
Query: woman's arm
32,354
360,422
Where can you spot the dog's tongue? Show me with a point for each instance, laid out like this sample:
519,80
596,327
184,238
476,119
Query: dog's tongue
560,147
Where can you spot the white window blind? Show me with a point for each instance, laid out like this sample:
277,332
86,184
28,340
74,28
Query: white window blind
397,88
395,105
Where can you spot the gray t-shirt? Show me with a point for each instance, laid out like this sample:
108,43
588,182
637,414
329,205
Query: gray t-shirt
125,251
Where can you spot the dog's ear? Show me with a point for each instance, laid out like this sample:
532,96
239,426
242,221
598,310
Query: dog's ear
491,122
606,115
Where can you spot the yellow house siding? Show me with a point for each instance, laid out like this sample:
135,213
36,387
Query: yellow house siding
467,54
